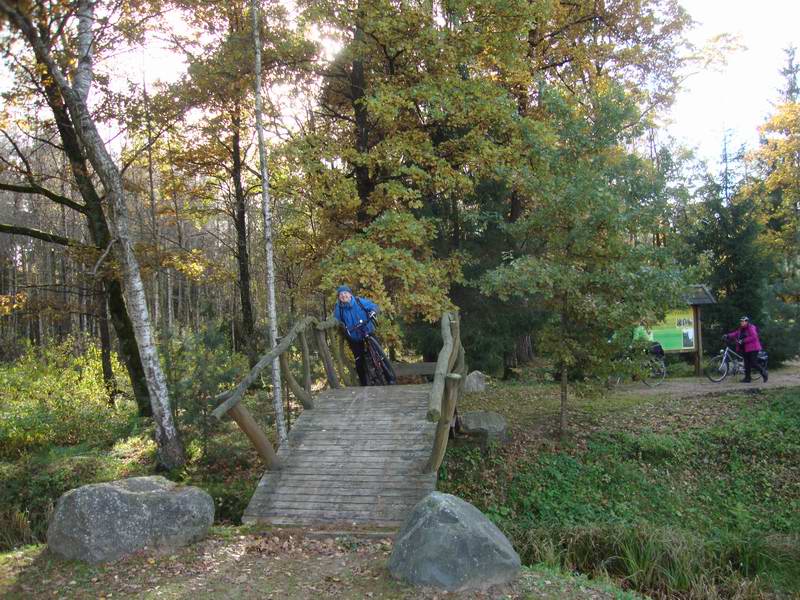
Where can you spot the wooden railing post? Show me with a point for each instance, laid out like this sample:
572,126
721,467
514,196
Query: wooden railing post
304,397
248,424
442,368
452,384
327,360
306,361
348,371
231,399
338,358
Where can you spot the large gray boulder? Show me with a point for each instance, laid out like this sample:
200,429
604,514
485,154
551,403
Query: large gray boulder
449,544
488,427
475,382
107,521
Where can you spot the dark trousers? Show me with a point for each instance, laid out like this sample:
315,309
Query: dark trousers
359,349
750,362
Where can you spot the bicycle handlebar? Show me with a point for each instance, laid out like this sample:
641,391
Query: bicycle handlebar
361,325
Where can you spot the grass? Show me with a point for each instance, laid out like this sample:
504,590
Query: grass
706,507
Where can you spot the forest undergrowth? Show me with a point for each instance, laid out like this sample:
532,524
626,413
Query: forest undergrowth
674,498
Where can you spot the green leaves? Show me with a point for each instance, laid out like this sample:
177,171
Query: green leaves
578,257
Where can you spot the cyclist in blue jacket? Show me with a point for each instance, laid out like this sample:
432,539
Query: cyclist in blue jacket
350,311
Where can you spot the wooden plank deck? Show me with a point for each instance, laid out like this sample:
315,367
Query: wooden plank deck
355,460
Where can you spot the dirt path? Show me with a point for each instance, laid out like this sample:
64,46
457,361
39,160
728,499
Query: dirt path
692,387
234,563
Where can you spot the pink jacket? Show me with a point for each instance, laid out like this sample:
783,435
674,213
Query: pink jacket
749,336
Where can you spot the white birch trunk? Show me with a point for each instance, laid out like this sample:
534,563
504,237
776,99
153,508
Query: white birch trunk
265,207
153,211
170,450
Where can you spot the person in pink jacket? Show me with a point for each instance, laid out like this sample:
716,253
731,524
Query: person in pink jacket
748,344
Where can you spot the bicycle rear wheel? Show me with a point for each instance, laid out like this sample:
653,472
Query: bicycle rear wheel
755,374
716,369
656,372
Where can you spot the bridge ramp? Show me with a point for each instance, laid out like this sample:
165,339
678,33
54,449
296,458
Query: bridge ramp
354,461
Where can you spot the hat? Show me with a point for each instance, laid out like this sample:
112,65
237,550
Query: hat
343,288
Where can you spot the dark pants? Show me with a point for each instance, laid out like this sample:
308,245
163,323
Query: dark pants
750,362
359,349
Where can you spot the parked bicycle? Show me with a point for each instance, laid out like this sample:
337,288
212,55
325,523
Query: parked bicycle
728,362
377,367
652,371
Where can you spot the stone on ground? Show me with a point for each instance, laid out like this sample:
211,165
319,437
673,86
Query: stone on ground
488,427
107,521
449,544
475,382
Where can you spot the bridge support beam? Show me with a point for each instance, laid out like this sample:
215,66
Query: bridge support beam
248,424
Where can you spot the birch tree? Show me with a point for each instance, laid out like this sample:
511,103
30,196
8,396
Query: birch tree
31,24
265,207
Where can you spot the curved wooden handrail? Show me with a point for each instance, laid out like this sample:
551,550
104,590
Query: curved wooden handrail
232,397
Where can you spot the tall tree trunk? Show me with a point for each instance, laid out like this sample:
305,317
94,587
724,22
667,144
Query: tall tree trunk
562,424
170,308
170,449
101,237
365,185
240,224
265,207
105,343
153,212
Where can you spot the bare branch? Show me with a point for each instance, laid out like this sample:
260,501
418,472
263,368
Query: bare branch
40,235
40,191
100,260
19,153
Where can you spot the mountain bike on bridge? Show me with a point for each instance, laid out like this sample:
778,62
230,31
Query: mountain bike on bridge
357,316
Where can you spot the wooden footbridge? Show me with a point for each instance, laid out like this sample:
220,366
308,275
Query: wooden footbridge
357,457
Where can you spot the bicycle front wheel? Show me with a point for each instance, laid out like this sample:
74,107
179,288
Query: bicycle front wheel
374,365
717,369
656,372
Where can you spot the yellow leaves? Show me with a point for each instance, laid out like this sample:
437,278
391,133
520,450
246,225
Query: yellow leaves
391,262
12,302
192,264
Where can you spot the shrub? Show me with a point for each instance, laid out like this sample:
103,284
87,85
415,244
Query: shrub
53,396
30,487
199,366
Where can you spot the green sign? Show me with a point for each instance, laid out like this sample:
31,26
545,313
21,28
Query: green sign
676,332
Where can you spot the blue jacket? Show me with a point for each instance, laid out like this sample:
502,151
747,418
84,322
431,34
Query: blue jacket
351,314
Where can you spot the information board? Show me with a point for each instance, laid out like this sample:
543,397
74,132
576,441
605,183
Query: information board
676,332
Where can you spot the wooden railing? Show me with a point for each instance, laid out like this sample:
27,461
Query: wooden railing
231,400
448,383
